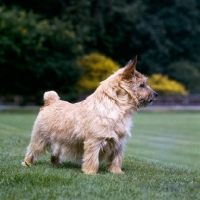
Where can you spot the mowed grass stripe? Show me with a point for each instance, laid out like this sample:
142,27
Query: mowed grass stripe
167,136
146,175
142,180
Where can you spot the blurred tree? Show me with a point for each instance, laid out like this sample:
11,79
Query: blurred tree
163,85
171,32
162,33
186,73
96,68
36,54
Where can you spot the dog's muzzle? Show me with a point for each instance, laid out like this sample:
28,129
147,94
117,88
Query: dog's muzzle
153,97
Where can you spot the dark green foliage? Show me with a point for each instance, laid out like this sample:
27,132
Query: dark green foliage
187,73
36,54
164,34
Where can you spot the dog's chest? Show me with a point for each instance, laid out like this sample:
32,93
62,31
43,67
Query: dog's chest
122,126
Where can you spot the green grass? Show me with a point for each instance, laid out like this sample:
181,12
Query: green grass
162,160
167,136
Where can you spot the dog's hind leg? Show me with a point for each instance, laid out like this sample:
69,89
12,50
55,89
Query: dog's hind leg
35,148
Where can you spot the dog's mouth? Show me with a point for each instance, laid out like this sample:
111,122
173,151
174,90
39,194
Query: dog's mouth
146,103
151,101
153,98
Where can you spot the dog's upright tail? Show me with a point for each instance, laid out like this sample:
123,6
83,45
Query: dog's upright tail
50,97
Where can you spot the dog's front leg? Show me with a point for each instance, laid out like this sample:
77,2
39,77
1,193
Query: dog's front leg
91,156
115,161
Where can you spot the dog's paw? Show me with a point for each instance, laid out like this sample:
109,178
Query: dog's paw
90,172
116,171
25,164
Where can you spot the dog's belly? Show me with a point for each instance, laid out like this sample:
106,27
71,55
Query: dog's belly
67,149
74,149
109,147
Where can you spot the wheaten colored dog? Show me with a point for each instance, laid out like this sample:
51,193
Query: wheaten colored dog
94,129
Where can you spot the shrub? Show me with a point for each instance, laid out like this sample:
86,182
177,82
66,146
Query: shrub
187,73
163,85
36,54
96,68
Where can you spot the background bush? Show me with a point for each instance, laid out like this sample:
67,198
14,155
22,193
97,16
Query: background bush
36,54
40,41
163,85
95,68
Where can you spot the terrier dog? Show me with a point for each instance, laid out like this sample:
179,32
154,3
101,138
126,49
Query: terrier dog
92,130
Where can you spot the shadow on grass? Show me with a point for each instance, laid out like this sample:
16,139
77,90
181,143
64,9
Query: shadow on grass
69,165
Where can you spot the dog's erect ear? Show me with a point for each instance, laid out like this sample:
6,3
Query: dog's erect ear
129,70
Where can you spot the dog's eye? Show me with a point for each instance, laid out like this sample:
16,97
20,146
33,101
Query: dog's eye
142,85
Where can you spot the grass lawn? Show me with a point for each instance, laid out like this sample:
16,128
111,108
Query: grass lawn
167,136
161,161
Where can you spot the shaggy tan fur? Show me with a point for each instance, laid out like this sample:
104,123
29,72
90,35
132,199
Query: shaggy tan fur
94,129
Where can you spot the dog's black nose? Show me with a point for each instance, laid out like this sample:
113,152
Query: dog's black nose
155,94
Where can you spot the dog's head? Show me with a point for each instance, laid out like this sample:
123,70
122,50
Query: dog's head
130,86
136,84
